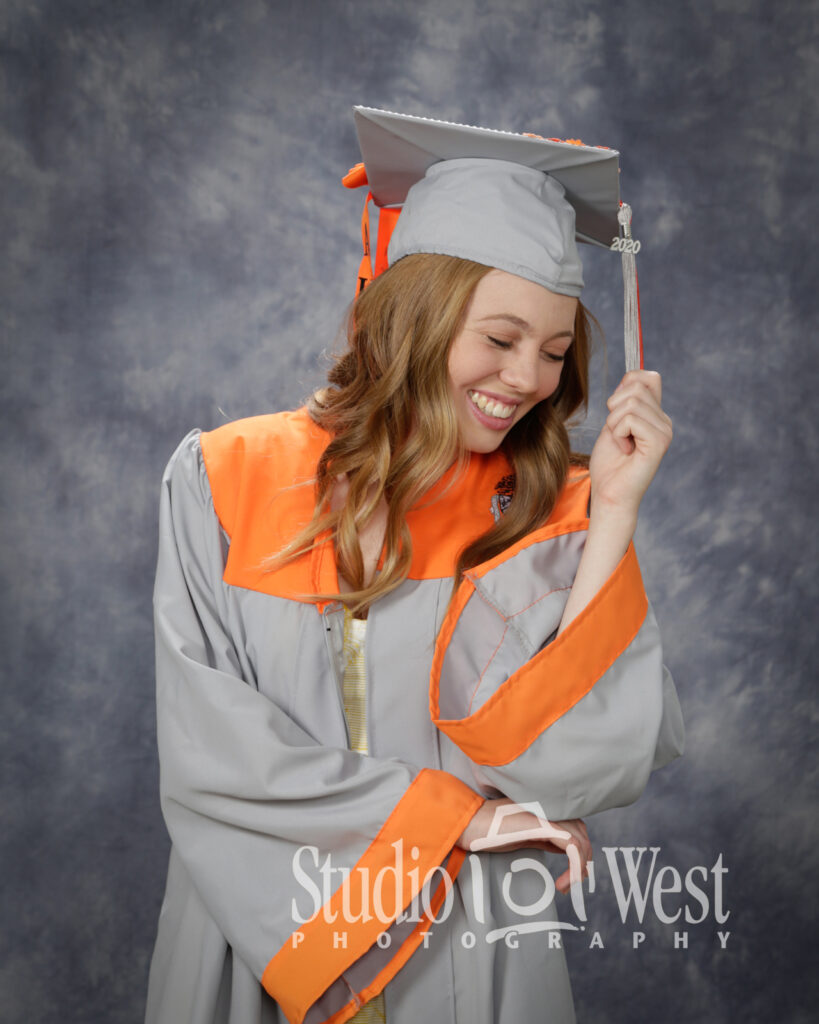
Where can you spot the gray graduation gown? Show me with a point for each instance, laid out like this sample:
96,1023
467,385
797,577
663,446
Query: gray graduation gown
269,811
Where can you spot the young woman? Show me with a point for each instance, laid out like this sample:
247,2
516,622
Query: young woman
403,646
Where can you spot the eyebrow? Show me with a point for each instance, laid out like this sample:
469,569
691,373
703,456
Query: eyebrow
518,321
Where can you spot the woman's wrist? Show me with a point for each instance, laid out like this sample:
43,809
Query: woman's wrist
612,515
607,539
611,526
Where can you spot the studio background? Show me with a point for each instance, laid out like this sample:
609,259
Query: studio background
177,251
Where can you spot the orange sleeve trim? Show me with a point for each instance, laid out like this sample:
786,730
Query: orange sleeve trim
430,816
555,679
407,948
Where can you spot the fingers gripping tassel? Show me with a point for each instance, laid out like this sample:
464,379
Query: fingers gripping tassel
632,327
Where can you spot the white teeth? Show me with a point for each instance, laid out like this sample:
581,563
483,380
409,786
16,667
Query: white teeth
491,407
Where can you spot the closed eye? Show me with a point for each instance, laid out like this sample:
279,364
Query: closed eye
498,342
555,357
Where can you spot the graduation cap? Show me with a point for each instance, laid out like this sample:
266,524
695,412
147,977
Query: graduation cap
515,202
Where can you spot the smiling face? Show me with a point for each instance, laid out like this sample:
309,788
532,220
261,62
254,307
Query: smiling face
508,355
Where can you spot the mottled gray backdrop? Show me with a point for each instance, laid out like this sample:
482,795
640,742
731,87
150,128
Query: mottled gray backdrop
177,251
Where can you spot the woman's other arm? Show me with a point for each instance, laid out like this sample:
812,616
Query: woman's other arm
631,445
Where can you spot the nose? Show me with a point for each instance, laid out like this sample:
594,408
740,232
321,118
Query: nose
521,370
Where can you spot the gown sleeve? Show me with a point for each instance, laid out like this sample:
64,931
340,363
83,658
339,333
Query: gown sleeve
575,722
254,805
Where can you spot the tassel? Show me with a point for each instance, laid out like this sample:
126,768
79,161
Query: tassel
632,326
365,268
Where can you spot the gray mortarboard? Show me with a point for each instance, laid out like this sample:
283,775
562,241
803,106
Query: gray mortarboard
514,202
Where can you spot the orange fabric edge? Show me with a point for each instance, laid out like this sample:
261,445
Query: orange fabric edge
555,679
547,532
407,947
236,456
467,587
433,811
387,219
248,460
568,516
219,472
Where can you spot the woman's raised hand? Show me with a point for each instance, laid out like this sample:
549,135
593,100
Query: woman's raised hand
631,445
623,462
501,825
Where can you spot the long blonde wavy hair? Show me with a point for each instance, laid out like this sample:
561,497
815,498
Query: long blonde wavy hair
394,432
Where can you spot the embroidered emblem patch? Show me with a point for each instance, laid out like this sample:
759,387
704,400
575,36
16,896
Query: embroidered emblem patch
504,492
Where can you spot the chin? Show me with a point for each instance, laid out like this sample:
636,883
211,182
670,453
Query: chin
483,445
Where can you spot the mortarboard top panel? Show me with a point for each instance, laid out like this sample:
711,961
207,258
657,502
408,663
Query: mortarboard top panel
397,149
